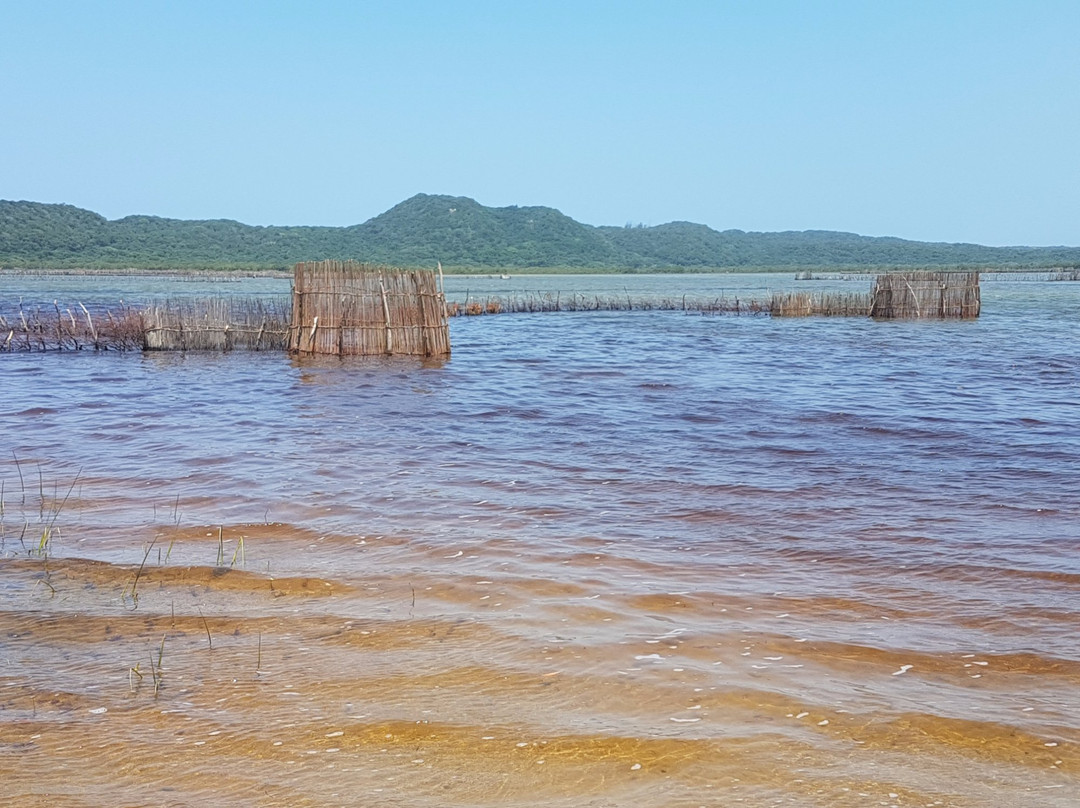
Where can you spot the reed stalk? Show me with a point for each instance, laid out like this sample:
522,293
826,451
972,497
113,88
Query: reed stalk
22,482
132,672
206,626
50,528
133,590
239,549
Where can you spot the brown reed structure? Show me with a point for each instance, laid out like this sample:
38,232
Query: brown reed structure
895,295
923,295
71,329
822,304
558,302
792,304
348,308
215,324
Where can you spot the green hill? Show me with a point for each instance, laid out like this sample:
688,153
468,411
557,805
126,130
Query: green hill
466,235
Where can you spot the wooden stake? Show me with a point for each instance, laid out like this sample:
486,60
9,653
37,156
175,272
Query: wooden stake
386,314
89,322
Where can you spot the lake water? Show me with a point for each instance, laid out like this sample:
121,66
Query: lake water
594,559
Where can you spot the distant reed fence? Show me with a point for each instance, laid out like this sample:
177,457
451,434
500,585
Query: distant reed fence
350,308
895,295
1032,275
557,301
789,304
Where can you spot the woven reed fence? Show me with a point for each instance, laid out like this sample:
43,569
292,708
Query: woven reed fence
822,304
1028,276
574,301
894,295
349,308
216,324
213,324
921,295
791,304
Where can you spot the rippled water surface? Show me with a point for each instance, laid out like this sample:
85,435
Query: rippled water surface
594,559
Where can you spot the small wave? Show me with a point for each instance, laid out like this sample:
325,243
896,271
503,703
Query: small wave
38,411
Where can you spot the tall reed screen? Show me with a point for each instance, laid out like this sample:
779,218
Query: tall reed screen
950,295
353,309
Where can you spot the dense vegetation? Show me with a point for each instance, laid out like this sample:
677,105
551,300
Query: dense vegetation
464,235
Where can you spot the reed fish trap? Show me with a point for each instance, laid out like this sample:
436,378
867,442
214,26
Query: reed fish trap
348,308
923,295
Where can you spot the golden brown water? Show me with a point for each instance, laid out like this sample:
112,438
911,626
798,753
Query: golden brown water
490,676
546,574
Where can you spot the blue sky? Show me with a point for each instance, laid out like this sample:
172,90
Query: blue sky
938,121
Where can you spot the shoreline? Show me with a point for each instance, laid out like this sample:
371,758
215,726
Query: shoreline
200,274
802,272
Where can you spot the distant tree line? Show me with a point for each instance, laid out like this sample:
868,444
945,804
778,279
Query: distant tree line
464,235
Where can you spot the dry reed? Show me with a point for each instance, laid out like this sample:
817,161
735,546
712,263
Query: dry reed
558,302
216,324
220,324
67,328
913,294
785,305
1038,276
824,304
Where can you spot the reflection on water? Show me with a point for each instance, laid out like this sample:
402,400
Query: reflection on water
593,559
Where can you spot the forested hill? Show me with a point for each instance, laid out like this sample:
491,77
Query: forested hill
462,234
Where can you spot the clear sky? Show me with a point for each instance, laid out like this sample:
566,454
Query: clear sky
939,121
